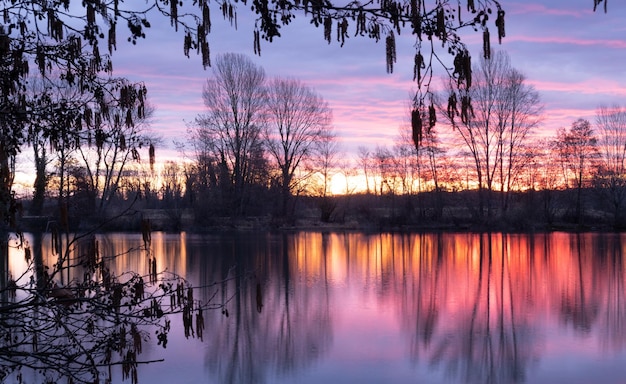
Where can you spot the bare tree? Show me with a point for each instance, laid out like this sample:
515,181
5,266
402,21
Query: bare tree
386,176
518,113
297,118
577,148
365,160
430,158
406,165
202,175
493,121
543,174
611,174
114,139
349,171
327,152
231,127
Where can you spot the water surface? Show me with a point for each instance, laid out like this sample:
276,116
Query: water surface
314,307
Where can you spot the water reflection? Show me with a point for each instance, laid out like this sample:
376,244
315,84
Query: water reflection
291,329
483,308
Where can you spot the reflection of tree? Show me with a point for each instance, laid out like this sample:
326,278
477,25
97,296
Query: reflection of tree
424,307
70,315
472,306
485,342
612,322
291,329
576,307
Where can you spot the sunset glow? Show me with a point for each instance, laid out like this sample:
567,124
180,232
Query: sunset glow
452,306
570,54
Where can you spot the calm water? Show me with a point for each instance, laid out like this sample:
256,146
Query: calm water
357,308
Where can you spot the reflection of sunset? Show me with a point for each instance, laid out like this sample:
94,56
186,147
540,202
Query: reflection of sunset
123,253
461,307
493,289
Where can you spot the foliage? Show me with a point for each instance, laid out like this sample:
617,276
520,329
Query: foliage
66,43
71,43
116,143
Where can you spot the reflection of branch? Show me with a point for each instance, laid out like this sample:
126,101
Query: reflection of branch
476,350
290,332
100,322
576,309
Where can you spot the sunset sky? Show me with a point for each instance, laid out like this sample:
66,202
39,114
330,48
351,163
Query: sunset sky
574,57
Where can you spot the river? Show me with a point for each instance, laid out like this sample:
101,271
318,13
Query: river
311,307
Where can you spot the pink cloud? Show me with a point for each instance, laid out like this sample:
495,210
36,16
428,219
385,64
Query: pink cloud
608,43
520,9
591,86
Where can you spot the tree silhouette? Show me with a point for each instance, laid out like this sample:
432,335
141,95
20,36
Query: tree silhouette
495,127
297,119
67,43
610,176
231,126
577,148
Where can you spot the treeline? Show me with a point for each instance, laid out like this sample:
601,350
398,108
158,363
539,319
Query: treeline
260,143
265,149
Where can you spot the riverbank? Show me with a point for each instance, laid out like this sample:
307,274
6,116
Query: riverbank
453,212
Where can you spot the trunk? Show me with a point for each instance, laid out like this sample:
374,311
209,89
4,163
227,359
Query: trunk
4,266
40,184
7,216
286,193
6,182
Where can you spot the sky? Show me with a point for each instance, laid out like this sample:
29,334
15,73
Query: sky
575,59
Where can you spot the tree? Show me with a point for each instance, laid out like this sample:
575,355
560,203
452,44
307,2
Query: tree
66,42
172,187
365,161
38,143
63,44
430,162
327,150
611,174
235,100
383,158
495,126
296,120
406,166
118,134
576,149
40,184
202,176
518,114
349,171
543,174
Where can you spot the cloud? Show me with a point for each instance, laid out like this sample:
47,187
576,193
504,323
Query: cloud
572,56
